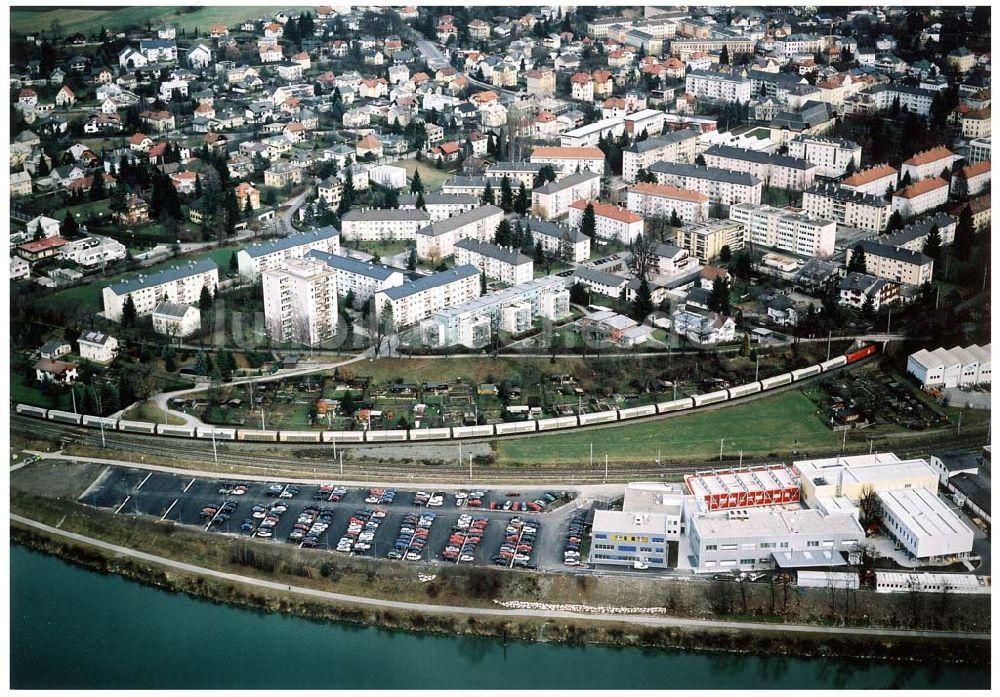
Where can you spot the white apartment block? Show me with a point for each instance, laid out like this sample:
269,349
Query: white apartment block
662,200
874,180
779,171
504,264
611,222
555,198
300,302
417,300
972,179
382,224
676,146
856,209
786,229
648,121
706,84
929,163
705,240
437,240
831,155
911,98
560,241
257,258
799,43
720,185
363,278
440,206
920,197
895,263
914,235
589,135
93,251
180,284
979,150
569,160
517,172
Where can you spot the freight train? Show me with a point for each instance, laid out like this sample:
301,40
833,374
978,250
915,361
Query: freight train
450,433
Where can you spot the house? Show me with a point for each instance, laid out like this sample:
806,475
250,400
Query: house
369,145
47,370
199,57
159,121
47,227
65,96
54,348
176,320
782,311
136,211
703,327
98,347
20,184
246,192
857,289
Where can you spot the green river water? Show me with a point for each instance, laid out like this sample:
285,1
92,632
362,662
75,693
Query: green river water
72,628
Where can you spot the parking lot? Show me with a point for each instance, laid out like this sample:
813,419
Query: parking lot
270,511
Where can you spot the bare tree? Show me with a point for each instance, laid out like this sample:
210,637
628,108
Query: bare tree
643,257
383,325
870,507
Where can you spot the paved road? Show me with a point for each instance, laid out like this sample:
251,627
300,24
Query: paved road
643,620
435,59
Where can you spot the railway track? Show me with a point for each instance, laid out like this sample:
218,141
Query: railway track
318,459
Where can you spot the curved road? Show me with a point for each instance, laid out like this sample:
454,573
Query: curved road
427,608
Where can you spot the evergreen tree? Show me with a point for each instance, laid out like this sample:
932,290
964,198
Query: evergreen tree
588,222
725,254
205,300
857,262
718,299
69,226
522,202
675,220
700,160
724,56
963,234
895,222
420,203
488,198
97,189
411,261
416,186
391,199
905,181
539,256
745,346
348,195
642,306
868,308
482,283
506,195
504,236
234,263
198,189
932,245
129,313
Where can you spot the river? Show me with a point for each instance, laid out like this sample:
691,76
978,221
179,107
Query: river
76,629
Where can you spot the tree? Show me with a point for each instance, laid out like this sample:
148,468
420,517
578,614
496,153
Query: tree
932,245
588,221
642,305
129,312
895,222
69,225
675,220
539,256
745,346
718,299
725,254
522,202
416,186
905,181
383,326
643,256
234,263
545,175
506,195
869,508
97,190
391,199
857,262
482,284
347,196
420,202
205,299
868,308
724,56
963,233
488,197
411,261
700,160
504,236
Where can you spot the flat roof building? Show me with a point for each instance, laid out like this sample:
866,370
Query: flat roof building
924,524
744,488
853,475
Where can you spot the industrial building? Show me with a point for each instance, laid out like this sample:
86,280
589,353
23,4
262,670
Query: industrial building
956,367
904,582
924,524
744,488
651,518
853,475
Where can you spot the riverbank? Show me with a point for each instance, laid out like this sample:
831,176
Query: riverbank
769,640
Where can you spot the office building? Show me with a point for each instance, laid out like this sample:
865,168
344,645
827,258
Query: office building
854,475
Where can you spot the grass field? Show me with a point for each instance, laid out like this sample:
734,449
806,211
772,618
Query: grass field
25,393
25,20
430,176
781,423
148,411
441,369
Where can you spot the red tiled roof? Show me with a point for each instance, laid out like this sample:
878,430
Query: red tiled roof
976,169
556,151
43,244
869,175
606,210
928,156
922,187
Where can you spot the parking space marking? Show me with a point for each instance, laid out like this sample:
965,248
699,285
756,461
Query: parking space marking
170,508
139,486
122,504
188,486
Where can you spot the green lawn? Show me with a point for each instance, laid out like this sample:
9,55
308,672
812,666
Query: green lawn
148,411
85,211
780,424
430,176
22,392
24,20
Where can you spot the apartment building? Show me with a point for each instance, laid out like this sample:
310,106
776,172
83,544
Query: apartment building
417,300
708,84
912,99
977,124
832,156
853,208
971,180
611,222
705,240
300,302
685,48
648,121
589,135
555,198
722,186
440,206
662,200
504,264
780,171
541,82
676,146
181,284
567,160
875,180
928,163
260,257
914,235
979,149
363,278
787,229
671,260
517,173
601,282
382,224
922,196
895,263
437,240
560,241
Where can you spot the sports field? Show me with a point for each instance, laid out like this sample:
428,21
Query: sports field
778,424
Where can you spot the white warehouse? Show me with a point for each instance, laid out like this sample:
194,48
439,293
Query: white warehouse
924,524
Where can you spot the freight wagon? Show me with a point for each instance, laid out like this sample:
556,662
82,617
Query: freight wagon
385,436
599,417
217,433
516,427
803,373
257,435
558,422
743,390
710,398
836,362
29,410
136,426
98,421
636,412
343,436
299,436
472,431
776,381
675,405
178,431
64,417
430,433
